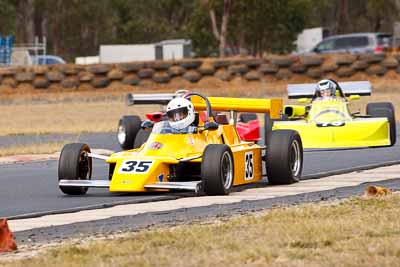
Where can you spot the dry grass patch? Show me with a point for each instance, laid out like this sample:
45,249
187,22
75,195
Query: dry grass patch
99,111
35,148
76,115
357,232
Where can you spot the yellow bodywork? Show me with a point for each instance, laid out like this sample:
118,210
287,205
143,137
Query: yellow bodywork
180,146
163,151
329,124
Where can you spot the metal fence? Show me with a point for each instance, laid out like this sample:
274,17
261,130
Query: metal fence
6,48
23,53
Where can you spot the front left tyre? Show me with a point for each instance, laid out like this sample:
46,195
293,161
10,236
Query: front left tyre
217,170
75,164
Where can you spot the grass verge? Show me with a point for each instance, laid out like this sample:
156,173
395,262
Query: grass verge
355,232
63,117
78,113
34,148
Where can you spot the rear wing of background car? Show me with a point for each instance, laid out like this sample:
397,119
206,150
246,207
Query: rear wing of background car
160,99
348,88
143,99
273,106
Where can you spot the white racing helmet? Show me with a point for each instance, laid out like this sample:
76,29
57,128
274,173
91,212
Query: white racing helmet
326,88
180,113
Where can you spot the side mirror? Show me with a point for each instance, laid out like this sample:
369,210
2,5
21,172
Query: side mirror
129,100
294,111
354,97
303,100
210,125
147,124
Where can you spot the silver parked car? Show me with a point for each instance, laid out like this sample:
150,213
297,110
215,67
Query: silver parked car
354,43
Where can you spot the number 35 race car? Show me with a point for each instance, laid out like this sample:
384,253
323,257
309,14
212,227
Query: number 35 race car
326,122
207,157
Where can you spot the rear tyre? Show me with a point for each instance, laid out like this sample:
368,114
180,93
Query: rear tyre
268,124
384,110
217,170
141,138
284,159
74,164
128,127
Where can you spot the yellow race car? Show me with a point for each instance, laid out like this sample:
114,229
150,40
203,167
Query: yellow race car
327,122
204,157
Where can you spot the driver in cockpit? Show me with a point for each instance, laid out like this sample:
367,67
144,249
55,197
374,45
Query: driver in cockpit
181,115
325,89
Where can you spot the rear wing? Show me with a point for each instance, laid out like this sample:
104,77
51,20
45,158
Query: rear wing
273,106
348,88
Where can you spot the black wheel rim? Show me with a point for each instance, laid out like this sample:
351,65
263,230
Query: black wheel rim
84,166
295,158
227,170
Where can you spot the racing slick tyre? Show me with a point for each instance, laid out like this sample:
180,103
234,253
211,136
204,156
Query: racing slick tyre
74,164
141,138
217,169
384,109
128,127
246,117
268,124
284,159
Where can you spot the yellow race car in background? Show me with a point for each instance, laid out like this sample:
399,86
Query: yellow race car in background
209,157
329,123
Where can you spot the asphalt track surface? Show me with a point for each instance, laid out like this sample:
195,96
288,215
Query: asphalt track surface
31,189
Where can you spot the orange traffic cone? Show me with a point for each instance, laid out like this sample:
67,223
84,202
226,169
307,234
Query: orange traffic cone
376,191
7,242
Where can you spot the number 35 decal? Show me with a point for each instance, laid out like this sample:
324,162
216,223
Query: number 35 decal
249,166
135,166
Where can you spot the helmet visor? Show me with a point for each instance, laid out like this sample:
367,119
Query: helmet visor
326,92
177,114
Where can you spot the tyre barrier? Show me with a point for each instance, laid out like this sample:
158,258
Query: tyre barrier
275,67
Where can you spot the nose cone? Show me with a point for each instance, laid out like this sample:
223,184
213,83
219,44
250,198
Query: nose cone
173,145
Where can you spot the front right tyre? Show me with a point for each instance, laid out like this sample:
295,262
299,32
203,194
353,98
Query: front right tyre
128,128
74,164
384,109
217,169
141,137
284,158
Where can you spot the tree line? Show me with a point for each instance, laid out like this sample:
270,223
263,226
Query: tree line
216,27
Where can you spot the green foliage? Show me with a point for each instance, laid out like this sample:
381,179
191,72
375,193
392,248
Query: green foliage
199,31
7,18
268,26
79,27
